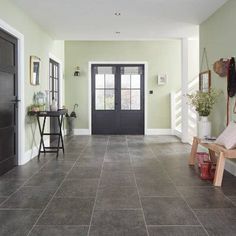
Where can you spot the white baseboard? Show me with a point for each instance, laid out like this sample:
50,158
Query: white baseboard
177,133
159,132
82,132
30,154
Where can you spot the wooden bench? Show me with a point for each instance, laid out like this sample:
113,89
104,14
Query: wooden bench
215,151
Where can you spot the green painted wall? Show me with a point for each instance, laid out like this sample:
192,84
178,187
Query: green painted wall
163,56
218,36
37,43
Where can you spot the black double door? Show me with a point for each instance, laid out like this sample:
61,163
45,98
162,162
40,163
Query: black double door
8,102
118,99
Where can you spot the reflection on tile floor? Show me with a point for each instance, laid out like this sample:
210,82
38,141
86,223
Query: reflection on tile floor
115,185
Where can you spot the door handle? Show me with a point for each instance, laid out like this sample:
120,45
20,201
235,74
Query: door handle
16,100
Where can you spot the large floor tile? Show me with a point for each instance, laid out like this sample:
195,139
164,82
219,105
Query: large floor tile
176,231
117,166
78,172
90,162
93,157
17,222
205,197
9,186
68,211
30,198
181,178
59,230
146,164
117,156
218,222
2,199
46,179
20,173
117,198
118,179
66,157
167,211
78,188
58,166
152,187
120,223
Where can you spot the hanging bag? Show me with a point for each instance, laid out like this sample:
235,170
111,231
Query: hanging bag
231,85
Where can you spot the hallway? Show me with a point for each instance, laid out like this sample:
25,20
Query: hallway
115,185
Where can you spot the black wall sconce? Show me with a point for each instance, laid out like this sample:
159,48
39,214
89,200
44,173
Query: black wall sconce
77,71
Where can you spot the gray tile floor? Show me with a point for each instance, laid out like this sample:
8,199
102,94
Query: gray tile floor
118,186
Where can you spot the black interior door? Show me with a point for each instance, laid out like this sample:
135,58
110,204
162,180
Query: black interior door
54,75
118,99
8,102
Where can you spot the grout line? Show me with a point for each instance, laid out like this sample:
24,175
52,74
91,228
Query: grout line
197,226
140,202
180,193
45,208
90,224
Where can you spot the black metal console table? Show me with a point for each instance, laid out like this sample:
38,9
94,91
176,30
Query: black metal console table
44,114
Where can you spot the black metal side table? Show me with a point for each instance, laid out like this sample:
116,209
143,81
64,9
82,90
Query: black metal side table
44,114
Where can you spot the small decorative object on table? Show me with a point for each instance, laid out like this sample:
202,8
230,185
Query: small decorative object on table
71,120
38,102
53,106
203,103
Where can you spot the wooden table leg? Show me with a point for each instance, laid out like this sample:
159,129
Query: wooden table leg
192,156
212,156
220,166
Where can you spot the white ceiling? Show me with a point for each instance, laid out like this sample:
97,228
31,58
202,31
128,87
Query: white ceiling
140,19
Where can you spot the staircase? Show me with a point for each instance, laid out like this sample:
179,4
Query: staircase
176,112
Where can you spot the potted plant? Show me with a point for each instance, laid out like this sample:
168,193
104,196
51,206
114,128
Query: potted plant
203,103
71,120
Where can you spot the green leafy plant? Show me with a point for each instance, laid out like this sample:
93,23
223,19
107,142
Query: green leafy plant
203,101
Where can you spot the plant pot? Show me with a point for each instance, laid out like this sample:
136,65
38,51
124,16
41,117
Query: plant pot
204,127
206,171
70,125
201,157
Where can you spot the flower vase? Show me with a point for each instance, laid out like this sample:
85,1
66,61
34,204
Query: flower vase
204,127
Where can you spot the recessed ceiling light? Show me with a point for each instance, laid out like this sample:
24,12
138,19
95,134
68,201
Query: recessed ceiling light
117,32
117,13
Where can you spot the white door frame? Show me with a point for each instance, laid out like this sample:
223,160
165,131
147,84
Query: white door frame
21,106
144,63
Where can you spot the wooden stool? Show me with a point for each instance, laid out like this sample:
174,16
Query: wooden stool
216,151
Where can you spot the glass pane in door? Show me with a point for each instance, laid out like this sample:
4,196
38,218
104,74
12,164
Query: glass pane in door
99,81
130,88
104,88
125,99
135,99
110,81
125,81
100,99
135,81
109,100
